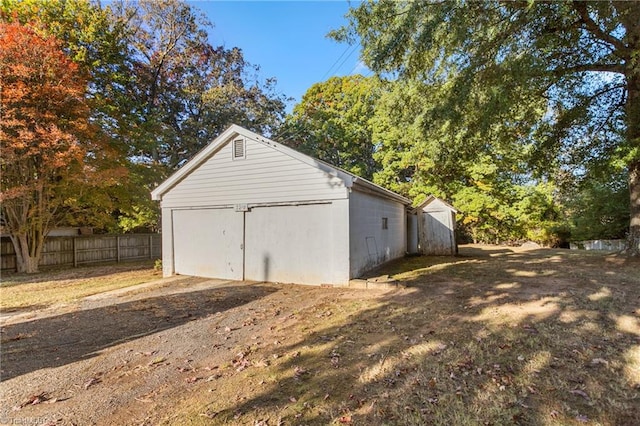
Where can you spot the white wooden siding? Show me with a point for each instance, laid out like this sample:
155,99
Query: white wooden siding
437,233
264,176
436,229
370,245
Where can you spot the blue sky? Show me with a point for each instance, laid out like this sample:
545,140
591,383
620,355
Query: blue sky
287,39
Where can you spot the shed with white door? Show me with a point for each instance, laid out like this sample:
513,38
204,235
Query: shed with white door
248,208
436,227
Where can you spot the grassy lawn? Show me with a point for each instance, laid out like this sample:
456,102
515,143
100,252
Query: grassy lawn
28,292
495,336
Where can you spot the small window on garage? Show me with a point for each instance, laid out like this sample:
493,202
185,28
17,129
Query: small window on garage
239,149
385,223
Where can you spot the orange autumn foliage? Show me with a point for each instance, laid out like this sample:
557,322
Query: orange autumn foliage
50,152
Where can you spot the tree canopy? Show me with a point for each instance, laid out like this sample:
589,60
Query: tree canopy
156,86
52,156
185,91
333,122
153,90
562,79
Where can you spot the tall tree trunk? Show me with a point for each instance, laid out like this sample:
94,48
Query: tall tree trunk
633,139
634,193
27,260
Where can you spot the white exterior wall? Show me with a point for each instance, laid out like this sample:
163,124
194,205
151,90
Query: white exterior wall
369,244
167,243
264,176
436,229
412,233
280,240
298,244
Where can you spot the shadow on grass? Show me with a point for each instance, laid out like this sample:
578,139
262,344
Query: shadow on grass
68,272
60,340
506,337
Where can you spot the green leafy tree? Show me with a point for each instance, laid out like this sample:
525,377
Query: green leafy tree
333,122
422,152
185,92
581,58
599,207
181,94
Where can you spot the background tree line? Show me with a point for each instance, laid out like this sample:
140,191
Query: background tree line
131,90
523,115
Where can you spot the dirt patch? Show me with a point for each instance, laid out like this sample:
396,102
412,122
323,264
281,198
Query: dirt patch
496,335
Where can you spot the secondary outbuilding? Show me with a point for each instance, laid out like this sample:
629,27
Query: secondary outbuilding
436,226
248,208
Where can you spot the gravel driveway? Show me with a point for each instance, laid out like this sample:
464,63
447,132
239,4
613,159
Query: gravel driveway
121,357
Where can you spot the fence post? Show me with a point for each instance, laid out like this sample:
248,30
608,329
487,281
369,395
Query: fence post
75,252
150,246
118,249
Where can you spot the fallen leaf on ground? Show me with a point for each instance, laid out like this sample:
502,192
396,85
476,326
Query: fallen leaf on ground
33,400
441,347
299,372
157,360
92,381
261,363
580,392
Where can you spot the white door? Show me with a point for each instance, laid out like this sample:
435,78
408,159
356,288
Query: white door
208,243
290,244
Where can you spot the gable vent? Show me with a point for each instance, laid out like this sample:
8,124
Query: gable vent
238,149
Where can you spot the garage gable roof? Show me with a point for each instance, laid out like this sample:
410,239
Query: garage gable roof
431,199
234,131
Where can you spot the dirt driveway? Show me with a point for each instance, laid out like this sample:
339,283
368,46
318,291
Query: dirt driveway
119,355
496,335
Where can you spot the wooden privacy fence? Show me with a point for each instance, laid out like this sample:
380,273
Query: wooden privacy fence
84,250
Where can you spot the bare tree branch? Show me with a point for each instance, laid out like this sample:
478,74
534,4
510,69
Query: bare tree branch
593,28
615,68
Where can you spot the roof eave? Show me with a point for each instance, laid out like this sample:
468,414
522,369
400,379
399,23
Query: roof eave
431,198
358,181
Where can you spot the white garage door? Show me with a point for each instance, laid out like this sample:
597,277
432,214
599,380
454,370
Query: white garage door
290,244
208,243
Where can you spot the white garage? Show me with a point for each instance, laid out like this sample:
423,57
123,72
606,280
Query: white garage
248,208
